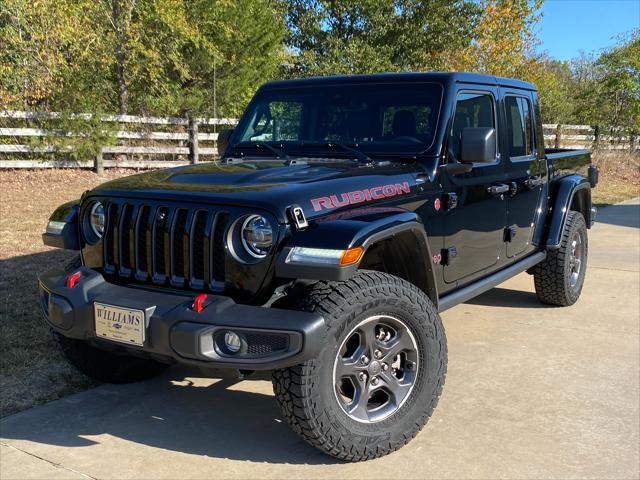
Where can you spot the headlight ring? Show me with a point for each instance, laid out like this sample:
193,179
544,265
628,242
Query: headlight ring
256,235
94,222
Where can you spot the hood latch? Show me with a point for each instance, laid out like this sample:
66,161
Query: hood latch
296,215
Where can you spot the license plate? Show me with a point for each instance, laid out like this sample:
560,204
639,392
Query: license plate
119,324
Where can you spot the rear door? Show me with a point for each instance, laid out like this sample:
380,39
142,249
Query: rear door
474,228
525,169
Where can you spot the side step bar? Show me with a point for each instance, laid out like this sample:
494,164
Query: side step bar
487,283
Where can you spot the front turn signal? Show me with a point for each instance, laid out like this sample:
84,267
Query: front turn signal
351,256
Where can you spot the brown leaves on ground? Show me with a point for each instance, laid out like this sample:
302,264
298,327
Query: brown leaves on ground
31,369
619,177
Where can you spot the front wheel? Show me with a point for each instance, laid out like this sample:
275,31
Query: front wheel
377,380
105,366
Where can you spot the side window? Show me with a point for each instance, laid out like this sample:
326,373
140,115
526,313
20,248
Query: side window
472,110
519,126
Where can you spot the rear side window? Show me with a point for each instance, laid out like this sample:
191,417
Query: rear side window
519,126
472,110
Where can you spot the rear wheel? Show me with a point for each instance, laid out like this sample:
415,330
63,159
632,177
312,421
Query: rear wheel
560,277
377,380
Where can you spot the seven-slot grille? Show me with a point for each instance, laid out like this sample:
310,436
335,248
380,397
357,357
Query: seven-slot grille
179,246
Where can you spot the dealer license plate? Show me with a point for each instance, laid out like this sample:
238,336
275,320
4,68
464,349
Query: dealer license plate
119,324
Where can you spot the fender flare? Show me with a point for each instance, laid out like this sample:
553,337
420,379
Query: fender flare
344,234
68,238
565,191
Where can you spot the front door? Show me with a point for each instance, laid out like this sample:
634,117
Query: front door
525,168
474,232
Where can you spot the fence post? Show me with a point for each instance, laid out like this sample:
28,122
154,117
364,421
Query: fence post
193,140
596,137
98,163
558,136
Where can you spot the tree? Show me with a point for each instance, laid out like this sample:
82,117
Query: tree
554,81
619,83
47,46
248,36
504,39
168,57
120,14
330,37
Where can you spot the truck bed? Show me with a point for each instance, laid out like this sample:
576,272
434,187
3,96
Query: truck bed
568,159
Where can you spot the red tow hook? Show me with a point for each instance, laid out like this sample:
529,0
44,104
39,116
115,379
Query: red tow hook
198,303
72,280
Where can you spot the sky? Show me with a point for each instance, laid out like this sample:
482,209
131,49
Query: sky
569,26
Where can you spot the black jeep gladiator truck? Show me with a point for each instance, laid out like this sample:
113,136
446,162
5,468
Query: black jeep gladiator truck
344,215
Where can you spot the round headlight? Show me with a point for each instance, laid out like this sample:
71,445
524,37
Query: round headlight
257,236
96,219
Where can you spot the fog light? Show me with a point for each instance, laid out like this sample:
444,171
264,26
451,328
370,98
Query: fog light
232,342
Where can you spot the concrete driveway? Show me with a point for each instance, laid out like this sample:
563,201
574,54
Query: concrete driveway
532,392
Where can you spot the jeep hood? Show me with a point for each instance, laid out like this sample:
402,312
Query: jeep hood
265,184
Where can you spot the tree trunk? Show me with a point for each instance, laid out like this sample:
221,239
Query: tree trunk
121,35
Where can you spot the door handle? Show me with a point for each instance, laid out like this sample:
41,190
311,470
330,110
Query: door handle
500,189
533,182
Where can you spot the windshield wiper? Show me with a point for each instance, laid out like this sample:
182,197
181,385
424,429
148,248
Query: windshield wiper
360,156
277,151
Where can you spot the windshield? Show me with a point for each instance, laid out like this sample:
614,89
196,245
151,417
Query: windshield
378,118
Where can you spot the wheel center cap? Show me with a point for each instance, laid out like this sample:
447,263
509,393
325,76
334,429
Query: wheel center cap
374,367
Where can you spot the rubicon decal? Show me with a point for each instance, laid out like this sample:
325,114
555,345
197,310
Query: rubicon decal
360,196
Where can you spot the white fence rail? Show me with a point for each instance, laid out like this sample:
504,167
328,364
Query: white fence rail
588,136
152,142
138,144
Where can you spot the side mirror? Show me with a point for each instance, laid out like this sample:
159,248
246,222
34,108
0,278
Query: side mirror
223,140
478,145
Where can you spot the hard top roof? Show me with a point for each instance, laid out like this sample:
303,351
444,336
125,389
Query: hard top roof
441,77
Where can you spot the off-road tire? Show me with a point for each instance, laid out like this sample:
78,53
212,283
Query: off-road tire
552,277
305,393
103,366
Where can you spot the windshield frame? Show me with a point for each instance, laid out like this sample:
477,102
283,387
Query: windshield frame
295,146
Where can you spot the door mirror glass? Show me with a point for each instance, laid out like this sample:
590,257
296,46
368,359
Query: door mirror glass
223,140
478,145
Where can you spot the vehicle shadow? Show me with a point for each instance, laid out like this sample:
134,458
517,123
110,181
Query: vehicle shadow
505,297
222,418
623,215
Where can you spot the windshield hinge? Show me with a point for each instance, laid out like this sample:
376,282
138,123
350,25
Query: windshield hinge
293,162
296,214
231,161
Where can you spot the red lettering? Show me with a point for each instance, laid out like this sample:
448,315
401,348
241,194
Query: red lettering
356,196
375,193
402,188
320,203
359,196
388,190
340,203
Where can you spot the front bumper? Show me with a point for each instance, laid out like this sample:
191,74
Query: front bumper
175,333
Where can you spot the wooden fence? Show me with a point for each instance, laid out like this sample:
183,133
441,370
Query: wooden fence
139,144
153,142
589,137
